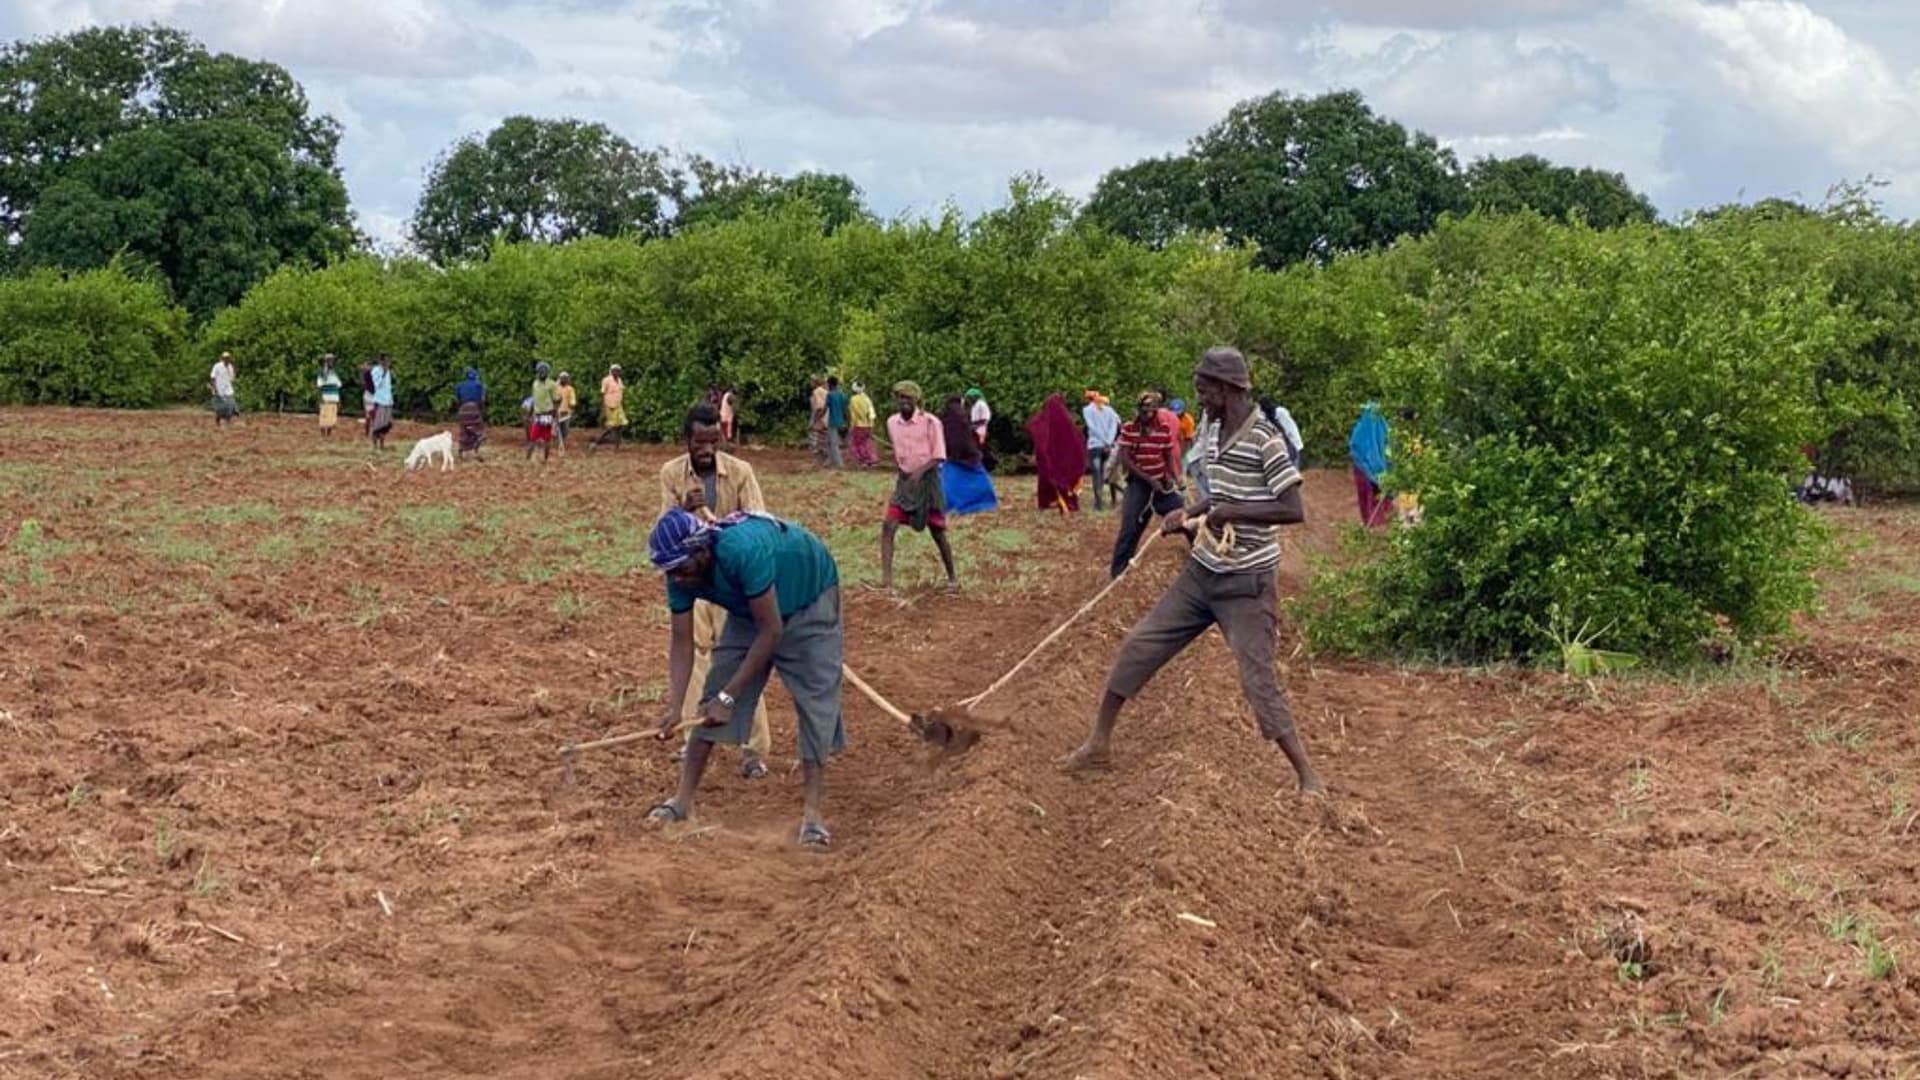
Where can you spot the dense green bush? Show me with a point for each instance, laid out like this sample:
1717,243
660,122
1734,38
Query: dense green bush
96,337
1610,426
354,309
1867,386
1021,302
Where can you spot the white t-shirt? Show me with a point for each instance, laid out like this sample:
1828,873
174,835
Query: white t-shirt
222,376
981,416
1288,428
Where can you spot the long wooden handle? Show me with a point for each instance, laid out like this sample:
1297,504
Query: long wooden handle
1003,680
631,736
874,696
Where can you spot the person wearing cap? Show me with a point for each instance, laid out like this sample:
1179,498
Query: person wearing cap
613,409
566,400
1149,454
709,483
780,589
918,501
220,381
545,401
861,415
328,384
1255,490
1103,432
980,414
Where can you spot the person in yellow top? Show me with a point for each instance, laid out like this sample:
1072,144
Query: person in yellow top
860,416
706,481
613,408
569,400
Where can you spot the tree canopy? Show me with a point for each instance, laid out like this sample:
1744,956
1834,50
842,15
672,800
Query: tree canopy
1530,182
1303,178
540,179
724,192
208,167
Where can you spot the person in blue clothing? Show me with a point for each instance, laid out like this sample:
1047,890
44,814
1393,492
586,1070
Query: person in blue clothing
381,421
471,397
780,589
837,414
1103,434
1368,446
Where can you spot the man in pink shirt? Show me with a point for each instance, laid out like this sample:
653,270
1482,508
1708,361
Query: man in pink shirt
919,447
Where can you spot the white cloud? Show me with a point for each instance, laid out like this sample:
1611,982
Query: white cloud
1474,83
1777,98
1698,101
1781,58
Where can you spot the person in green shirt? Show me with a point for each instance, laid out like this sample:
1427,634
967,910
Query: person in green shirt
329,386
780,589
546,402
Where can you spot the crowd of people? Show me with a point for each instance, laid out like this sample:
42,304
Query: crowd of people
752,594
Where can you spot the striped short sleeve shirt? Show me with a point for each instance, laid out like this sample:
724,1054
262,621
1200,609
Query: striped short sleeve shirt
1249,466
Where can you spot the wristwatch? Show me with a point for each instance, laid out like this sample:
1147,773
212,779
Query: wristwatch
725,699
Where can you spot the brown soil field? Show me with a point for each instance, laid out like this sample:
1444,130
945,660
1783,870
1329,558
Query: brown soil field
279,796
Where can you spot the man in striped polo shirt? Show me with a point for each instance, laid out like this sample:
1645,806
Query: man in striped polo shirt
1256,489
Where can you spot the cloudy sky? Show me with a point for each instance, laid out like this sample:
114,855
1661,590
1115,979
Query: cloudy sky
925,101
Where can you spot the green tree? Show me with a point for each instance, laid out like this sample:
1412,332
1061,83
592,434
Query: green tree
1301,178
1150,202
1608,425
724,192
138,140
355,309
1602,199
214,205
97,338
543,180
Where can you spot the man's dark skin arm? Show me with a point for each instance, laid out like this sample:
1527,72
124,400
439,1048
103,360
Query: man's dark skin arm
1288,509
679,671
768,628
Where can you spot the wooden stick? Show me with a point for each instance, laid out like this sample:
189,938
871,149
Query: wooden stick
228,934
1200,530
629,737
636,736
77,890
874,696
969,703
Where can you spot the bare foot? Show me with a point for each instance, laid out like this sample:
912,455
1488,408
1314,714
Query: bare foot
1313,789
1086,759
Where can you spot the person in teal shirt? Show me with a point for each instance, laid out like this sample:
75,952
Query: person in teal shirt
836,419
780,589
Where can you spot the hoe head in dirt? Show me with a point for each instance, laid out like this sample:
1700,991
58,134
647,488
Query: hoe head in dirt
937,727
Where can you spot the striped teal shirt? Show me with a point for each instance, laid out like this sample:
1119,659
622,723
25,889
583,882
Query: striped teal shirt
1251,466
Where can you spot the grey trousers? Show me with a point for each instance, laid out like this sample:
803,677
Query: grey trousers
1242,605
